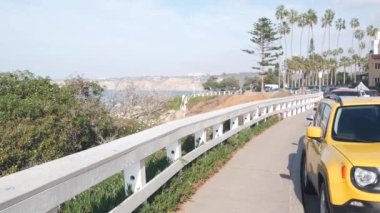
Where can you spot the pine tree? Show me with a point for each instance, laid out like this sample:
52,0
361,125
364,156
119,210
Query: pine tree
264,37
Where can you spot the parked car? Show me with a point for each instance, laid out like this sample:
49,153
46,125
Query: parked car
347,92
327,90
372,92
340,160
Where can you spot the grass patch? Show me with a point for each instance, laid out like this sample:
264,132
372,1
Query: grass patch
196,100
174,103
106,195
100,198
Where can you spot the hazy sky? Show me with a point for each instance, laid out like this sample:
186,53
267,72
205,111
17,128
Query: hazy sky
116,38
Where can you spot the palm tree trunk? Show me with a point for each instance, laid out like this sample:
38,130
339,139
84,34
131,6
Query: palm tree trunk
286,47
291,41
301,41
323,40
337,40
308,42
344,75
327,78
329,39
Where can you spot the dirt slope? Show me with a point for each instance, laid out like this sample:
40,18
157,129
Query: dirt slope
231,100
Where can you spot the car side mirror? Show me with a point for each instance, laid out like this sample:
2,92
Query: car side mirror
310,117
314,132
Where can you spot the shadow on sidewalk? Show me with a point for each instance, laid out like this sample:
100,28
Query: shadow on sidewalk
310,202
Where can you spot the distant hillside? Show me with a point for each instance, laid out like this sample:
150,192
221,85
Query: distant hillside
175,83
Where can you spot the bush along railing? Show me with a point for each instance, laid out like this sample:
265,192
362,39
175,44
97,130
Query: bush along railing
43,188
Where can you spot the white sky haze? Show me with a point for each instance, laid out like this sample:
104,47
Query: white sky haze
118,38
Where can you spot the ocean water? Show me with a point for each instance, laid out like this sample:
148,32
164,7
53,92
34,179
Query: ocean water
110,92
107,94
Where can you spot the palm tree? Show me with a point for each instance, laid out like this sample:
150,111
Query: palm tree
371,33
302,22
345,62
351,53
284,30
281,14
359,35
312,19
325,55
362,46
355,61
336,53
340,25
354,24
327,20
292,19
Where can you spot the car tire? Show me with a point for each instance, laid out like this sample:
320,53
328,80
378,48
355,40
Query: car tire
306,185
324,201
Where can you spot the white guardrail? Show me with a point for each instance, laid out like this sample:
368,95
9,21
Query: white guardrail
43,188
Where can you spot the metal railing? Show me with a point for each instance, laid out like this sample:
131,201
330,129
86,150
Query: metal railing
43,188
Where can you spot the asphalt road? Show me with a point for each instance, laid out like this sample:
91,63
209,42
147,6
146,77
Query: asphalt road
264,176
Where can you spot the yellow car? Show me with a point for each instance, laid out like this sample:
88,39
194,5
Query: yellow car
341,156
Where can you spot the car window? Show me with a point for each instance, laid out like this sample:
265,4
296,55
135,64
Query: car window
318,115
357,124
325,119
346,93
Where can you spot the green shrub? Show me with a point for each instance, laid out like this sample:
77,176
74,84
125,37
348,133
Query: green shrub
40,121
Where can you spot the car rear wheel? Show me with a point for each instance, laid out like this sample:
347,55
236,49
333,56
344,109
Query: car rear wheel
307,187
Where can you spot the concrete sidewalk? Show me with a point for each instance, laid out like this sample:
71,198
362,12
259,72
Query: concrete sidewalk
261,177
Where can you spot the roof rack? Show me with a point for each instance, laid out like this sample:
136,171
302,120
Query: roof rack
335,98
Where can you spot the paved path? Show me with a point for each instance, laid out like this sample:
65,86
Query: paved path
261,177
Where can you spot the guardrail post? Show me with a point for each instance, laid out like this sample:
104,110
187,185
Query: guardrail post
289,110
234,123
303,108
134,177
284,113
256,113
270,109
263,112
247,118
299,108
173,151
278,107
294,105
308,101
217,130
200,138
